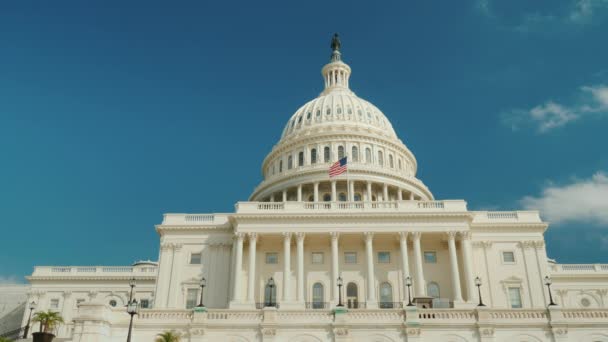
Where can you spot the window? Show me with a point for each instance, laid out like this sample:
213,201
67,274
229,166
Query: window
327,198
515,297
340,152
369,117
391,164
380,158
326,154
386,296
432,290
318,114
55,303
384,257
195,259
299,120
272,258
317,257
357,197
328,111
317,296
399,162
355,154
368,155
311,198
430,257
301,159
508,257
350,257
112,303
281,166
191,298
342,197
350,111
339,110
289,163
144,303
308,115
313,156
352,297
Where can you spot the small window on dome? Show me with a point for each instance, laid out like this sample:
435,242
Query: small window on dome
326,198
377,120
368,155
349,111
318,113
326,154
300,119
340,152
360,115
380,158
289,163
301,159
390,161
313,156
308,115
399,163
328,111
339,110
355,154
342,197
281,166
369,117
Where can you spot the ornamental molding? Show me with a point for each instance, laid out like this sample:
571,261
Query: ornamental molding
560,331
300,236
526,244
96,278
268,332
340,331
409,331
466,235
486,332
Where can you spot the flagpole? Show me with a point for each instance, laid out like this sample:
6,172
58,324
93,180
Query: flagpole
347,182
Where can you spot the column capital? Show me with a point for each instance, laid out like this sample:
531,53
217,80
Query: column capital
416,235
403,235
334,235
178,246
166,246
253,237
287,236
466,235
526,244
239,236
539,244
369,236
451,235
300,236
67,294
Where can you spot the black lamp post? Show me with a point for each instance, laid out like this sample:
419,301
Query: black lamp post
203,284
478,284
29,319
340,292
548,282
131,310
132,284
271,286
408,283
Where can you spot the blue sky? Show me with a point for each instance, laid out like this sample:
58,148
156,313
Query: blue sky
114,112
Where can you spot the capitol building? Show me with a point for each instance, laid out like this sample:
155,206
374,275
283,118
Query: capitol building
366,255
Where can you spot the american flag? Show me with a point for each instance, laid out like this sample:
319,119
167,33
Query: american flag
337,168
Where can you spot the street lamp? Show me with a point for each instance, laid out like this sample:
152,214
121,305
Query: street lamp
408,283
340,292
132,284
548,282
478,284
271,286
27,326
203,284
131,310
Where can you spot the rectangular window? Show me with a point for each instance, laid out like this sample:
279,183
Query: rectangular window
54,303
508,257
430,257
272,258
384,257
515,297
317,257
350,257
191,298
145,303
195,258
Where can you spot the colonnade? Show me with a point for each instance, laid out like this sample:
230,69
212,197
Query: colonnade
417,275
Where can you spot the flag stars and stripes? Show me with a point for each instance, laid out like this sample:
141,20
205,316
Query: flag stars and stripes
338,168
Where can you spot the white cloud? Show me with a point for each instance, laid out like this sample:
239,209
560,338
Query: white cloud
583,10
551,115
583,200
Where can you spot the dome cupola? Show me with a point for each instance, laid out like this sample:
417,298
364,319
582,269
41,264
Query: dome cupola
335,125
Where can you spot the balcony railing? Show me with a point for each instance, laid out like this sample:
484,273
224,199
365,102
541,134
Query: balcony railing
260,306
390,305
94,270
579,268
317,305
390,206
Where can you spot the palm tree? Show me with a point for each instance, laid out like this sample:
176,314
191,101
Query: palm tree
168,336
48,320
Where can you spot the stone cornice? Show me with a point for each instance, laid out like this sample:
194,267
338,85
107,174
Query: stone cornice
160,229
347,217
95,278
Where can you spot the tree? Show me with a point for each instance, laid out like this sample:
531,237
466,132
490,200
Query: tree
48,320
4,339
168,336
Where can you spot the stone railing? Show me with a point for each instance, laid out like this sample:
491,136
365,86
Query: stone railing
506,217
194,219
75,271
441,315
518,315
579,268
354,207
585,314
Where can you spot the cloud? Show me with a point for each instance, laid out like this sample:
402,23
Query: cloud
550,114
9,280
583,200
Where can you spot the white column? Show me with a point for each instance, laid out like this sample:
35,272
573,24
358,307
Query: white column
411,196
176,277
405,265
335,272
238,265
454,266
272,197
333,191
369,191
351,185
419,283
165,269
232,266
316,192
299,192
467,256
300,251
285,195
385,192
287,267
251,278
399,194
371,276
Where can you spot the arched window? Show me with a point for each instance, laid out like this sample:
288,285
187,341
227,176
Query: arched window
349,111
342,197
318,114
289,162
355,154
328,111
432,290
300,119
352,296
313,156
386,296
380,158
340,152
326,154
391,164
311,198
281,166
308,116
317,296
369,117
327,198
357,197
339,110
301,159
399,162
368,155
268,299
